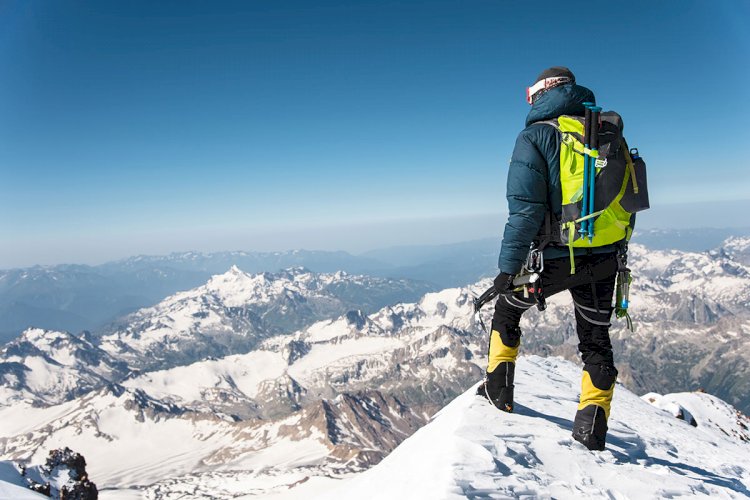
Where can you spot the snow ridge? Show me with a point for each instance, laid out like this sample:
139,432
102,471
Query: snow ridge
471,450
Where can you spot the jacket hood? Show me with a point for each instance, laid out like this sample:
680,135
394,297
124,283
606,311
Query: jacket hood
563,100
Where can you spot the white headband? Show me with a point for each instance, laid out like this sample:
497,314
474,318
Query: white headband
544,84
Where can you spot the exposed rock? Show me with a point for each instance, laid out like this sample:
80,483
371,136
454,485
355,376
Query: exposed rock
63,476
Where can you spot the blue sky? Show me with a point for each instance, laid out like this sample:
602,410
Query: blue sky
145,127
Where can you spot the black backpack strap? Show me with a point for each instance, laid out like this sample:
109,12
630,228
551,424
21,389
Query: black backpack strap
550,231
547,234
556,124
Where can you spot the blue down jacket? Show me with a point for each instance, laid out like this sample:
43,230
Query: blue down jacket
534,177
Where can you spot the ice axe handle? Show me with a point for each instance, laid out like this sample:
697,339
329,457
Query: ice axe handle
491,293
525,279
488,295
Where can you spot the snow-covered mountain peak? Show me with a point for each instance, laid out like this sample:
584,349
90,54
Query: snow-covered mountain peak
338,275
61,345
235,287
42,338
36,334
678,266
712,280
651,261
296,270
472,450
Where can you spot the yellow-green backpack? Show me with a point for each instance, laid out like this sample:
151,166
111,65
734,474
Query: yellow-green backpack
621,189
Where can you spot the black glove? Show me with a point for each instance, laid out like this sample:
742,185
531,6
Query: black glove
504,283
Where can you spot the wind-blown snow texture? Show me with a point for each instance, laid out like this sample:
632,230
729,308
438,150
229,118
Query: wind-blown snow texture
472,450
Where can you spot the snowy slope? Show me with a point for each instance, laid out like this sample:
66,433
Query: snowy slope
471,450
132,441
13,486
126,436
713,414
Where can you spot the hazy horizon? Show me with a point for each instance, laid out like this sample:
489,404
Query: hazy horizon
369,236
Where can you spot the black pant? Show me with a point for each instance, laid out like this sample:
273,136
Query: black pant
592,287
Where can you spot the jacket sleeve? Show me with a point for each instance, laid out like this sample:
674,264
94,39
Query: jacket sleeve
527,201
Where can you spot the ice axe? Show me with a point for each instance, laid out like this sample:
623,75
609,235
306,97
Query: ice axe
520,281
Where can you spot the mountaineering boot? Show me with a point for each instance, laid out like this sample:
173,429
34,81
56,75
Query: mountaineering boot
597,388
502,397
499,386
590,427
503,351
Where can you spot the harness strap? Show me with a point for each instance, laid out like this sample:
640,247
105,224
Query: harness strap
589,216
591,309
591,320
571,236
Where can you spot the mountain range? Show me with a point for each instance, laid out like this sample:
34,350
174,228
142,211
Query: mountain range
77,297
205,394
81,297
